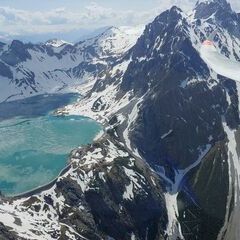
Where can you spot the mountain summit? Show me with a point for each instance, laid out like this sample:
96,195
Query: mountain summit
57,43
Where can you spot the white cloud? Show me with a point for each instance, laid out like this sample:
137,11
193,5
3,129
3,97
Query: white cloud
18,22
185,5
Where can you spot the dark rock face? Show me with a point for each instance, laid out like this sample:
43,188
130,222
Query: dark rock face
5,234
223,15
117,217
17,52
205,9
203,206
183,109
84,67
142,215
178,118
172,105
180,112
103,208
5,71
154,49
82,219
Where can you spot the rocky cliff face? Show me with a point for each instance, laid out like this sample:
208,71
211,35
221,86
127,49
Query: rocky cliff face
179,115
168,165
182,116
106,194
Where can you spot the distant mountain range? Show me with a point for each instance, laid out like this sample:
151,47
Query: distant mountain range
168,164
30,69
70,36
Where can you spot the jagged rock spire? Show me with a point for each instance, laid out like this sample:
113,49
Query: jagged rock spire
205,8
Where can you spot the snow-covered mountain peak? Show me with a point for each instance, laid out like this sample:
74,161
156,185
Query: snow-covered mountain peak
176,9
56,43
113,42
124,31
111,31
138,30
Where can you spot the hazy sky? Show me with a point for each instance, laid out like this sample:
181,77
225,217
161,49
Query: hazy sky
31,16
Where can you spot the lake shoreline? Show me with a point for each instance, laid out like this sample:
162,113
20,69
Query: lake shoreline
67,166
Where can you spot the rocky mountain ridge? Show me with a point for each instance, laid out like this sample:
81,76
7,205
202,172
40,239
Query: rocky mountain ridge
30,69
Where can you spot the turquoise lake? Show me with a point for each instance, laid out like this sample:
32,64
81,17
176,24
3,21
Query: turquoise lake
34,144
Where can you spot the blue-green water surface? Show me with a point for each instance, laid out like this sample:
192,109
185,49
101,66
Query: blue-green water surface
34,148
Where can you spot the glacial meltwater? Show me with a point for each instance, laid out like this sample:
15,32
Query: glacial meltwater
35,144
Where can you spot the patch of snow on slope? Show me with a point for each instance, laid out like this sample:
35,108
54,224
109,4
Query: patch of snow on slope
108,97
135,184
220,64
131,119
174,228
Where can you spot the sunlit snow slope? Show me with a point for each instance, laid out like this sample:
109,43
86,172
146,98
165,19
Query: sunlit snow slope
220,64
